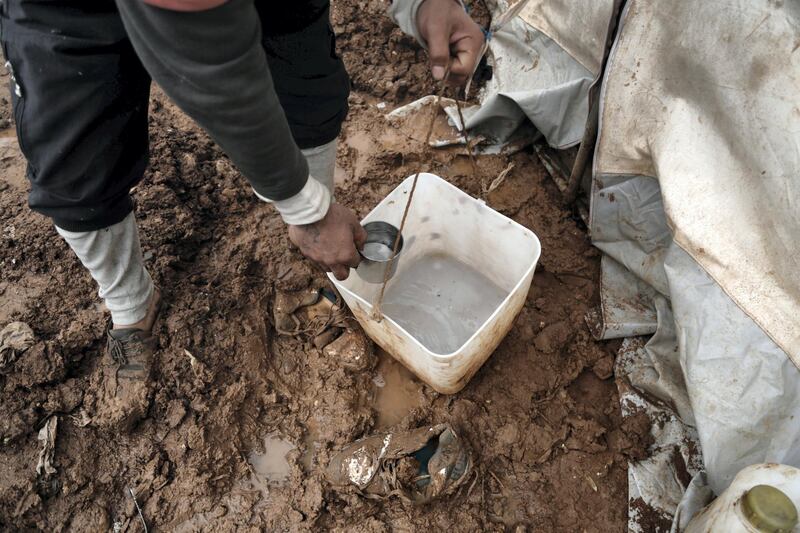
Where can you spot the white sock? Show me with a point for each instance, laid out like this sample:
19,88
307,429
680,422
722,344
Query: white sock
113,257
322,163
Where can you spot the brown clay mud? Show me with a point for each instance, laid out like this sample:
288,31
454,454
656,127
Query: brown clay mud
543,427
398,392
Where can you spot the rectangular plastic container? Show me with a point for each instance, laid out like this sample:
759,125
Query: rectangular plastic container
444,219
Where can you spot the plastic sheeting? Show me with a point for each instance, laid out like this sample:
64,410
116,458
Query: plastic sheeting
731,387
534,78
705,96
577,26
695,191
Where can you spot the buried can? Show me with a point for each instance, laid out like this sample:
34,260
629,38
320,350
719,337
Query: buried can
377,254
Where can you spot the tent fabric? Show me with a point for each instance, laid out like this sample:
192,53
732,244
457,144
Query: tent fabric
577,26
695,185
704,96
535,78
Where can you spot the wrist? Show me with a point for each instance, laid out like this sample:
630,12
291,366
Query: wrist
309,205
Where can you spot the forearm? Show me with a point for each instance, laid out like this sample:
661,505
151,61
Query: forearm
212,65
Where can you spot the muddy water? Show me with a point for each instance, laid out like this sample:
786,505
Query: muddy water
441,301
398,392
272,465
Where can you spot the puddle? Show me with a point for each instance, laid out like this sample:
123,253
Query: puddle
399,391
272,465
311,440
441,301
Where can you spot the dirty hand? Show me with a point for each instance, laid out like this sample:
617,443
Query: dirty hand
449,31
333,242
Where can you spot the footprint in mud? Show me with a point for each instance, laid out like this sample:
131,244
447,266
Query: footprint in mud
272,465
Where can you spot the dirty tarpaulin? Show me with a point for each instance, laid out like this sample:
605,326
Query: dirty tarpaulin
695,193
15,338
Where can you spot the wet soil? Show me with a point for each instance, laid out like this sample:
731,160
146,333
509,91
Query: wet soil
244,420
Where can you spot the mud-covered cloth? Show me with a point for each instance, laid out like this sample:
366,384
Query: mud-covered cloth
80,92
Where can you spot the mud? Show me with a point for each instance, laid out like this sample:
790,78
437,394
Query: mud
541,417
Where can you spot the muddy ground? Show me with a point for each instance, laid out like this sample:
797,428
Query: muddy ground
541,417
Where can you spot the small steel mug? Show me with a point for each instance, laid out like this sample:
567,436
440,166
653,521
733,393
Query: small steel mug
376,255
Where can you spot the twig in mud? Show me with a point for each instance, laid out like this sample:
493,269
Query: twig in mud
497,479
472,486
138,509
559,275
253,472
464,131
499,179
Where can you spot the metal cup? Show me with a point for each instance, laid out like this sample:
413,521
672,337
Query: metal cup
376,256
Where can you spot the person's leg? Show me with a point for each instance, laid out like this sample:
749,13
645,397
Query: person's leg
114,258
310,78
80,101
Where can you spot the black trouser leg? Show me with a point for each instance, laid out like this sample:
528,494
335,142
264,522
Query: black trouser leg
80,100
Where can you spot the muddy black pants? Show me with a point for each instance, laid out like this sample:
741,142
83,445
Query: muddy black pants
80,97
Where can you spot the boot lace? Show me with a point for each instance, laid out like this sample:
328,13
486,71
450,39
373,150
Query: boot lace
121,349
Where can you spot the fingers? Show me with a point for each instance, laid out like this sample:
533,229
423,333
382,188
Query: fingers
439,47
466,53
333,242
342,261
351,260
340,271
359,236
450,33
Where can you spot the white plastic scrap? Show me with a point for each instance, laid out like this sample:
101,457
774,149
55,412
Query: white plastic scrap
362,466
47,435
15,338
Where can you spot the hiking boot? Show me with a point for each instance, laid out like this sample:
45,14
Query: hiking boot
126,388
417,466
308,312
352,350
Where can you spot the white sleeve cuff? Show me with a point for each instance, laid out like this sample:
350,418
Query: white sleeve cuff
404,14
306,207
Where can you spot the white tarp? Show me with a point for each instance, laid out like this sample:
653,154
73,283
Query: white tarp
705,96
577,26
695,191
534,78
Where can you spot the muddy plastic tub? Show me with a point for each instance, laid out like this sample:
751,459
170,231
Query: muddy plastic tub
468,266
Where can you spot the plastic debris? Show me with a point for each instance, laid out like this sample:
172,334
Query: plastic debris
47,436
15,338
417,466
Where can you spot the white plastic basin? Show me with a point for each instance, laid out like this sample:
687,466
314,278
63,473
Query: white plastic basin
443,219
